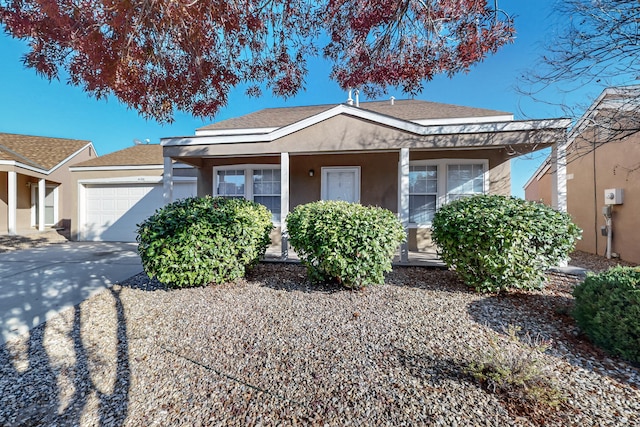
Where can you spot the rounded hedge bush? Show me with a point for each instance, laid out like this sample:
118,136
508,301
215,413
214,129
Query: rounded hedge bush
347,243
607,310
197,241
497,243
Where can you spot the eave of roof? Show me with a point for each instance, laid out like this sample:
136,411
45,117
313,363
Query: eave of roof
381,119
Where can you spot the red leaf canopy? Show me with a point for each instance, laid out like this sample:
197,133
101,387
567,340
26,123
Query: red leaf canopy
160,56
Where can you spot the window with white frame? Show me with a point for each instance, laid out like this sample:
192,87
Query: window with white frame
423,193
260,183
432,183
464,180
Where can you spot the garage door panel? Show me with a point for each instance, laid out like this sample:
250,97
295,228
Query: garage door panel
112,211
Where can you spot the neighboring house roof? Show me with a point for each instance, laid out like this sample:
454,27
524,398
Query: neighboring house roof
611,98
410,110
44,154
137,155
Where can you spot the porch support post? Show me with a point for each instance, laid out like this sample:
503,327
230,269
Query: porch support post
404,202
284,203
559,187
41,210
12,181
167,181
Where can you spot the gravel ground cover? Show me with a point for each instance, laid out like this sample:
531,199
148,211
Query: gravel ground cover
276,350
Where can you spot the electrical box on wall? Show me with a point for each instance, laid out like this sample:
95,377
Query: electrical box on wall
613,196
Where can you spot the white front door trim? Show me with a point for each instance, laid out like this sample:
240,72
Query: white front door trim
340,170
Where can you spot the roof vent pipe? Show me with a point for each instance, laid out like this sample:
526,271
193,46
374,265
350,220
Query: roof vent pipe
350,100
392,99
357,93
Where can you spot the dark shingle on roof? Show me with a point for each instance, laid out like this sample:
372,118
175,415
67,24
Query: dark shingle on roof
38,151
407,109
137,155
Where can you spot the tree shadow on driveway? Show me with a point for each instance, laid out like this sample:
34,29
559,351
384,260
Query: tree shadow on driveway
55,377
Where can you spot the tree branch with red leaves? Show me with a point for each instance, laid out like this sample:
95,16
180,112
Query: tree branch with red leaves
163,56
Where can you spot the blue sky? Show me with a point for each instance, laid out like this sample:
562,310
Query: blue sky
32,105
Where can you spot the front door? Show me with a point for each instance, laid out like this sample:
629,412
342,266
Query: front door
341,183
50,205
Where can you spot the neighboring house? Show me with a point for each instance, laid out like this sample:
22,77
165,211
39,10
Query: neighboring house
603,153
35,183
115,192
408,156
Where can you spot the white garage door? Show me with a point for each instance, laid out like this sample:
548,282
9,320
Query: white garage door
112,211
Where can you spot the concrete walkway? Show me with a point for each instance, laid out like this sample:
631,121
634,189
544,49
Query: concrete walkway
37,283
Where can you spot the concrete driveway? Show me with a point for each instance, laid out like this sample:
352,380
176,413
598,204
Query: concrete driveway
37,283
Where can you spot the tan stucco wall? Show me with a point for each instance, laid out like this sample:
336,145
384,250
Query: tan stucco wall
589,172
539,189
66,201
611,165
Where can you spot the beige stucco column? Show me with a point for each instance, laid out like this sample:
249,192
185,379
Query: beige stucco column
284,202
403,208
559,176
41,196
12,181
167,181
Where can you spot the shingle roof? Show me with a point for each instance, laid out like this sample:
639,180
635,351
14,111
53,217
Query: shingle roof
407,109
137,155
38,151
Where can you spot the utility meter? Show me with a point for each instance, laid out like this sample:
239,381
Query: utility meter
613,196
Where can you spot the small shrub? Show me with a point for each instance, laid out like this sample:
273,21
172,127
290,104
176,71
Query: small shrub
516,372
607,310
196,241
348,243
497,243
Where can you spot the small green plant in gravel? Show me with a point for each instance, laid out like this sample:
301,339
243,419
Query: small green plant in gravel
497,243
197,241
516,372
348,243
607,310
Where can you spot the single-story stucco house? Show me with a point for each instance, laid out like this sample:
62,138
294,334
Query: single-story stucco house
36,188
408,156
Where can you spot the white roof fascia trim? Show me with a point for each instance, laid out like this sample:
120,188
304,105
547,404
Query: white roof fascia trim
218,132
72,155
464,120
507,126
116,168
135,180
596,105
23,166
113,168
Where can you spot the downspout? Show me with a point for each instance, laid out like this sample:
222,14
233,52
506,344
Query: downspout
596,216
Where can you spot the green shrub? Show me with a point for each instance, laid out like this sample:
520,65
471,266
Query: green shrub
348,243
196,241
607,309
496,243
